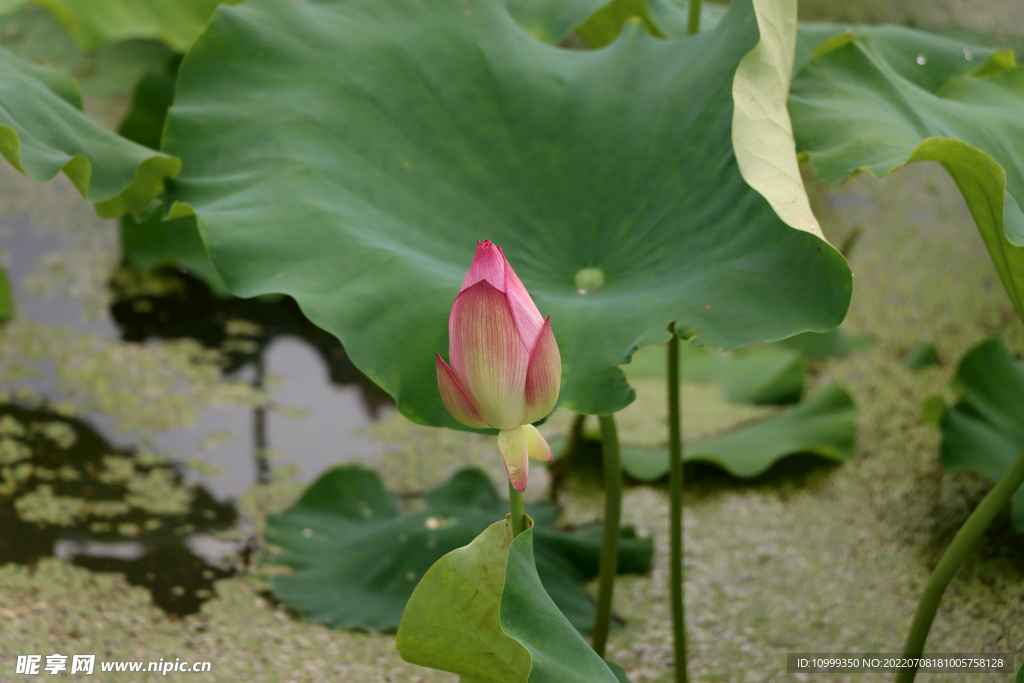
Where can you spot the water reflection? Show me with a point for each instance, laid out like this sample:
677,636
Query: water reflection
66,490
109,499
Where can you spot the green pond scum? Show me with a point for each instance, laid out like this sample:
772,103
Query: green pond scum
831,558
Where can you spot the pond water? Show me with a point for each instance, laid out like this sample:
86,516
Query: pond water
105,491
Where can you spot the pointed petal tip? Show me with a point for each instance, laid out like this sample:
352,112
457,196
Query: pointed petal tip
488,264
537,446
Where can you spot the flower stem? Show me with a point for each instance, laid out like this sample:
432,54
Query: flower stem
693,18
964,541
515,499
610,534
675,485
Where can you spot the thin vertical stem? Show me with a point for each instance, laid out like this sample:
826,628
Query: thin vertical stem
675,485
515,499
259,424
693,18
610,534
964,541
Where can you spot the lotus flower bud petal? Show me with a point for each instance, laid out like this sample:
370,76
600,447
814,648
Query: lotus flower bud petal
488,264
512,443
536,445
528,319
487,355
543,375
455,398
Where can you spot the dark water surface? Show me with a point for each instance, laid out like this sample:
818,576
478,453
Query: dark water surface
78,488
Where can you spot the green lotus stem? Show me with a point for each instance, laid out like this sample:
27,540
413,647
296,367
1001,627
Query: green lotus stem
515,500
675,486
610,534
693,18
964,541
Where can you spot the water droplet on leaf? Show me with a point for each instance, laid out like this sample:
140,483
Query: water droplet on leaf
922,60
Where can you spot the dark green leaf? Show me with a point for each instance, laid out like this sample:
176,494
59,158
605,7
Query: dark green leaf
357,557
42,132
984,431
824,424
362,194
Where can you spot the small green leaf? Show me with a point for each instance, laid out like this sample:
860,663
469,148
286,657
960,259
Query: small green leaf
93,23
6,299
356,557
42,132
984,431
824,424
605,25
551,21
932,409
482,612
922,356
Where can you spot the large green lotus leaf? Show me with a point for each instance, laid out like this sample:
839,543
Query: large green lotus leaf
357,557
482,612
853,110
43,131
6,300
824,424
362,194
93,23
984,431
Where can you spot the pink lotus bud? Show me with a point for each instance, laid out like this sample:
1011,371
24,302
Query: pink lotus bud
505,367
